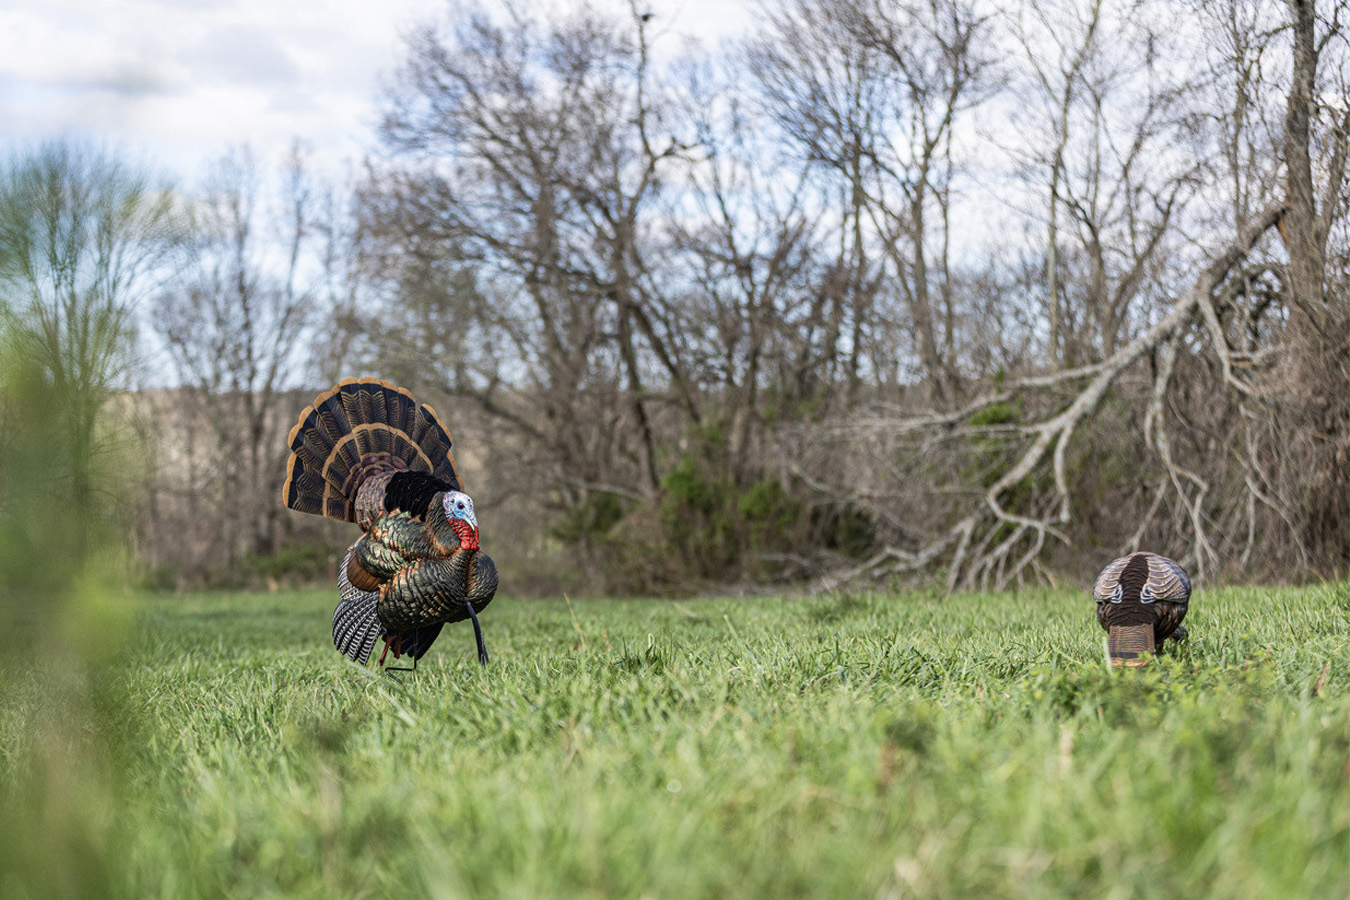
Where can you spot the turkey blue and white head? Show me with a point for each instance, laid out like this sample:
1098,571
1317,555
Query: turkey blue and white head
458,508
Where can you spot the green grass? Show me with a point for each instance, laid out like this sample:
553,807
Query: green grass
875,746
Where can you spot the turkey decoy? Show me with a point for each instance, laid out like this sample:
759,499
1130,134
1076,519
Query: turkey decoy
1141,600
367,452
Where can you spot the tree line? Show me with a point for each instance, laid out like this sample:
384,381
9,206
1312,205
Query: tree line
888,289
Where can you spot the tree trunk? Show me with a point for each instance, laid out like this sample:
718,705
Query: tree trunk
1318,323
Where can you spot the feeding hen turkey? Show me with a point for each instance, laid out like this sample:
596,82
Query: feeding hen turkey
367,452
1141,600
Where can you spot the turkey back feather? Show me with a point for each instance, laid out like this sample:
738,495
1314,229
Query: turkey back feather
360,429
1145,577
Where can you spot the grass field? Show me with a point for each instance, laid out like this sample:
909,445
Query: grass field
874,746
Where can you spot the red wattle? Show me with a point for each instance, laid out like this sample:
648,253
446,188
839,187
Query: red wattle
467,534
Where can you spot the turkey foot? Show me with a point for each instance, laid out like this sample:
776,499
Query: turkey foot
397,644
390,670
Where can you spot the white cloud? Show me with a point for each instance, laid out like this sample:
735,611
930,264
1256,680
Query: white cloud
181,80
241,55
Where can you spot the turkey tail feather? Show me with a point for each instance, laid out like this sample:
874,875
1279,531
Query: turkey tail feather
1130,645
355,429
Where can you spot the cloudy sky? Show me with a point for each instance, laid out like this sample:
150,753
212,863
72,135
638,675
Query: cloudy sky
179,81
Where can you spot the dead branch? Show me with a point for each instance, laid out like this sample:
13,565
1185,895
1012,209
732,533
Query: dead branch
994,545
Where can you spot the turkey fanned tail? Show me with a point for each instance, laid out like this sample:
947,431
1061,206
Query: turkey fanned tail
361,428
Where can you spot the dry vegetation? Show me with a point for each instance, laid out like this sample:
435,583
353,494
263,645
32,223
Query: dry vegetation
892,289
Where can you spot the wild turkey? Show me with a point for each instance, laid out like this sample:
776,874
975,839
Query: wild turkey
367,452
1141,600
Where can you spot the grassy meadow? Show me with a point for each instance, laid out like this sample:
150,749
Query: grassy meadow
836,746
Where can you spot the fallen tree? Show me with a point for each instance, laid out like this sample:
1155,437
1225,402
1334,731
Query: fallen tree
994,544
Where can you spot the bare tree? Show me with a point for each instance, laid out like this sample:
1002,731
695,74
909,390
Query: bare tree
83,239
536,152
766,296
234,324
1120,165
1233,384
768,268
1319,320
871,91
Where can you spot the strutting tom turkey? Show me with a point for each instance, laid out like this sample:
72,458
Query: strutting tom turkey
367,452
1141,600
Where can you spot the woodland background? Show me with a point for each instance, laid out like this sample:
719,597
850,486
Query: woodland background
974,293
